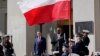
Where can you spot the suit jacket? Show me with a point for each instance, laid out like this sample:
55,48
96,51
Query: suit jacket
39,46
1,50
86,41
79,48
58,43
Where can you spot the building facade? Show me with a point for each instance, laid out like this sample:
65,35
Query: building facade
13,23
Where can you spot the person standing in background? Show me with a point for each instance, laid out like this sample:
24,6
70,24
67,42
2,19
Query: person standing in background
39,45
8,46
86,41
58,41
1,47
78,48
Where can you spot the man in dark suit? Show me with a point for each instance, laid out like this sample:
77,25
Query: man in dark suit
8,46
86,41
39,44
1,48
58,40
78,48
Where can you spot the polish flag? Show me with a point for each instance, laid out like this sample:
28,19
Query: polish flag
44,11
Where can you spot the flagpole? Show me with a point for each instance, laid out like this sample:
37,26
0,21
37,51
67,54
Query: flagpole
70,25
69,34
70,20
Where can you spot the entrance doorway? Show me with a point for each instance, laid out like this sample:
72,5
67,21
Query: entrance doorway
66,31
67,28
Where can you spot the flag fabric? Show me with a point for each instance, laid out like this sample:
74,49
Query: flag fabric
44,11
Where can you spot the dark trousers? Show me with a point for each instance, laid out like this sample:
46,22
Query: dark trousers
8,52
37,55
1,54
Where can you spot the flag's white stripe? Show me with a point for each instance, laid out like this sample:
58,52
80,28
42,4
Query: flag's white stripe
26,5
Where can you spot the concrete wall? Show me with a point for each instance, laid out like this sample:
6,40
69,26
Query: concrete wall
3,3
30,39
48,31
83,10
16,26
23,35
97,24
2,23
3,11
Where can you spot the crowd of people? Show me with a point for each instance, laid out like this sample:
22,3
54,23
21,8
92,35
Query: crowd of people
6,47
61,45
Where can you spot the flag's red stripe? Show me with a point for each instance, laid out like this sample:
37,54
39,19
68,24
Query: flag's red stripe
39,15
61,10
49,13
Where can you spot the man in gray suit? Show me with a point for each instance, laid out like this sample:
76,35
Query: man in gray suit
57,41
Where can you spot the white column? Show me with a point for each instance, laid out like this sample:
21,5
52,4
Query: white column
16,26
83,10
97,24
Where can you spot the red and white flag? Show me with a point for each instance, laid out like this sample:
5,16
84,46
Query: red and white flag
44,11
